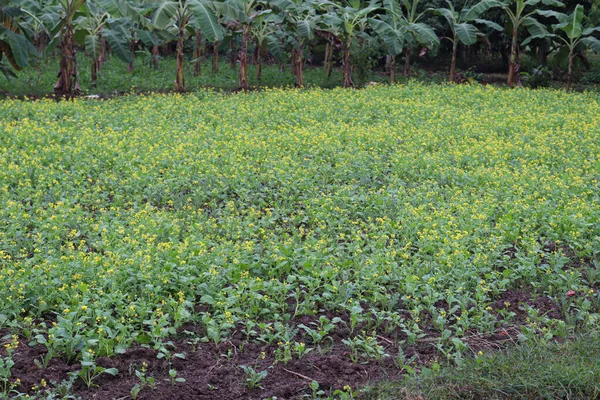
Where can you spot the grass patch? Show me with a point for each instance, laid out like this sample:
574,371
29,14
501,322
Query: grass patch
532,370
39,80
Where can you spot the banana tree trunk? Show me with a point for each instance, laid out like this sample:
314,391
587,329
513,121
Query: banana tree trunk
347,66
67,75
40,42
232,56
179,77
197,54
298,61
102,57
215,60
243,72
326,59
392,69
330,61
132,52
256,53
259,65
388,61
293,66
543,51
155,56
512,63
407,62
453,62
570,70
95,64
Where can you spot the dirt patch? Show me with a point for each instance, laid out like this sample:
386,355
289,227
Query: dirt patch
515,301
209,372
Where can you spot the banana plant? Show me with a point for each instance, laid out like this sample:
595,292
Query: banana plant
347,20
128,22
520,13
300,22
331,36
154,38
64,13
391,30
570,33
241,15
15,45
182,16
263,33
88,33
417,33
462,25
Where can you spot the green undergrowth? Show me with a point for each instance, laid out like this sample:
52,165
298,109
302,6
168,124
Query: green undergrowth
39,80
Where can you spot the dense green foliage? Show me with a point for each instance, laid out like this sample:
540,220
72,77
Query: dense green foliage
411,209
359,33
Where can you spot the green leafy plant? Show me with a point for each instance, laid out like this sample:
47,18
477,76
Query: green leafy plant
145,380
462,24
6,365
252,378
573,34
90,371
174,378
364,346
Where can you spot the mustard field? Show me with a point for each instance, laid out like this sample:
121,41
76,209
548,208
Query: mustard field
412,213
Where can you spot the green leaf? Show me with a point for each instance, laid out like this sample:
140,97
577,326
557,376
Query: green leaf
208,299
206,21
467,33
532,3
589,31
305,28
424,34
232,10
533,37
393,6
282,5
592,43
393,38
164,13
574,27
275,46
554,3
118,44
450,15
111,371
149,39
474,12
143,339
110,6
552,14
93,46
534,27
20,47
489,24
